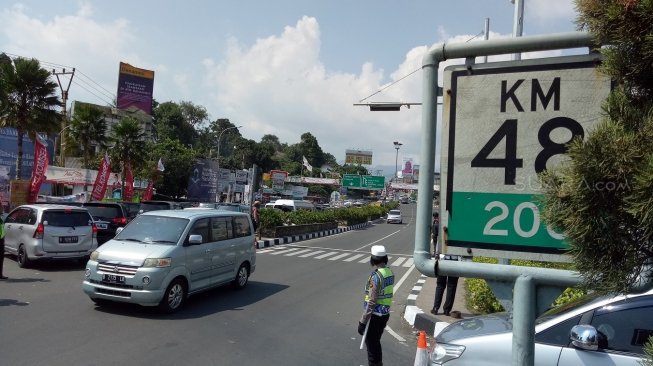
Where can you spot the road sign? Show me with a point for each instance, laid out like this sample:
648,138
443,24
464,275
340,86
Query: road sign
351,180
369,182
502,125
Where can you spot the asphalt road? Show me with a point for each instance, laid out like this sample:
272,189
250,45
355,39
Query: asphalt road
301,307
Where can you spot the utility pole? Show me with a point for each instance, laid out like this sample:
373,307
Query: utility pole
64,97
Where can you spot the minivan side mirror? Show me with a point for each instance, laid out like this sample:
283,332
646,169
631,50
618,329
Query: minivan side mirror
584,337
195,239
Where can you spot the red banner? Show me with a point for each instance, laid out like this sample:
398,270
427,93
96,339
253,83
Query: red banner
129,183
39,168
149,191
100,185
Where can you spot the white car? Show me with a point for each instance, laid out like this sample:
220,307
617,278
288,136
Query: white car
593,331
394,216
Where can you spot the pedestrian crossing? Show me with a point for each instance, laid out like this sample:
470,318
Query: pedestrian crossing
332,255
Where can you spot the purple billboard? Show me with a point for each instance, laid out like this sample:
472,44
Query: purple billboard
135,88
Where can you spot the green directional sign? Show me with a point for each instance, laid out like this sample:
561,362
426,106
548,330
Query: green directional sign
351,180
373,182
370,182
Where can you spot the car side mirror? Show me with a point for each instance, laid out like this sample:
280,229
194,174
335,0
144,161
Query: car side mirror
584,337
195,239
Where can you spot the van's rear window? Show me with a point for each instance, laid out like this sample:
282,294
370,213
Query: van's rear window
66,218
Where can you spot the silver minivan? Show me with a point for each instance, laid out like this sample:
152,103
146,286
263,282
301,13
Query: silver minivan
162,257
37,232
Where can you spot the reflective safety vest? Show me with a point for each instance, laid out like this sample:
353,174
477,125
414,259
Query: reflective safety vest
386,286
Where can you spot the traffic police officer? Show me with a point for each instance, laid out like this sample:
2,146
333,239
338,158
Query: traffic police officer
376,307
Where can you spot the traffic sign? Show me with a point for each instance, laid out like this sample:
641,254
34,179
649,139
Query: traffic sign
369,182
503,124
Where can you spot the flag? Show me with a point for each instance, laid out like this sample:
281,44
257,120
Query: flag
100,185
39,168
159,166
307,165
129,182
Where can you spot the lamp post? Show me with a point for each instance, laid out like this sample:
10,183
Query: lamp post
397,146
218,158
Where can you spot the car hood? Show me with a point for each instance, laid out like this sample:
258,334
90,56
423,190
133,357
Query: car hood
131,253
477,326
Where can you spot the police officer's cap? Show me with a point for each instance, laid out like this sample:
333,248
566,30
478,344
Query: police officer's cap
378,251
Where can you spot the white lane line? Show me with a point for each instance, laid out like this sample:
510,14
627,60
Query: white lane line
364,260
339,256
285,251
398,262
326,255
376,241
409,262
351,259
396,289
311,254
300,252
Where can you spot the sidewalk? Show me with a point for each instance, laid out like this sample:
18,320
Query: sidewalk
420,302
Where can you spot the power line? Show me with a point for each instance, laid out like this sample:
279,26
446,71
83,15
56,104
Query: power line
411,73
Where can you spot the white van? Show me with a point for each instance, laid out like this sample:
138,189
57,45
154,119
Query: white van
294,205
161,257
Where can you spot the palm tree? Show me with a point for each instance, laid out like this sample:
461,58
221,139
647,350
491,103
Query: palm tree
29,102
87,129
129,144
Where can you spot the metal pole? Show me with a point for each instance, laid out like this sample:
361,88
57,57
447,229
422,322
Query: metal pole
486,32
518,24
523,324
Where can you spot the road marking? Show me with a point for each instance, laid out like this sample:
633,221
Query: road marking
326,255
351,259
300,252
311,254
376,241
409,262
398,262
338,256
280,251
394,334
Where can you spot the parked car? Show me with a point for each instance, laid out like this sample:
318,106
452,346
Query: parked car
108,217
39,232
131,209
159,205
294,205
161,257
394,216
235,207
593,331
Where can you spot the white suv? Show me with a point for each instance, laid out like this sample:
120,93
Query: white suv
163,256
37,232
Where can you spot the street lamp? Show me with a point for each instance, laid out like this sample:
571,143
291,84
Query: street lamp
218,156
397,146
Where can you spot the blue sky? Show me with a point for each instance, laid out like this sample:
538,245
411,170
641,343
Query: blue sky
281,67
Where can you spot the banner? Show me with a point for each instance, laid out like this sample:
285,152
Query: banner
149,191
203,181
39,168
308,166
100,185
135,88
129,183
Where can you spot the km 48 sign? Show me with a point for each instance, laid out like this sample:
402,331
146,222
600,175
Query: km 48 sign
504,124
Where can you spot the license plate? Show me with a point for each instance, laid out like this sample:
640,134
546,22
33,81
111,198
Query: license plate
113,278
101,226
68,239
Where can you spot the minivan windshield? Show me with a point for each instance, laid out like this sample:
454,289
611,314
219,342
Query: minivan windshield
66,218
149,229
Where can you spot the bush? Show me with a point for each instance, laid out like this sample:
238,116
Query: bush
480,299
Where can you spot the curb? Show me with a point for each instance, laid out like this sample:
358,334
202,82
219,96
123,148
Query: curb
291,239
419,319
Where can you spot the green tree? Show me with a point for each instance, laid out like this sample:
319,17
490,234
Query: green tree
129,145
88,128
29,101
171,123
611,230
178,160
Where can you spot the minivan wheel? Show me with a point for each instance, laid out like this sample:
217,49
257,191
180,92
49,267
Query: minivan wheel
23,260
242,276
174,297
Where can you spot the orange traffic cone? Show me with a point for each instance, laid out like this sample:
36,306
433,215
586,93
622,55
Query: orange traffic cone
422,356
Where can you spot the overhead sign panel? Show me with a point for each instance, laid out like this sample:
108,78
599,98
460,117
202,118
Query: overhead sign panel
369,182
504,124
